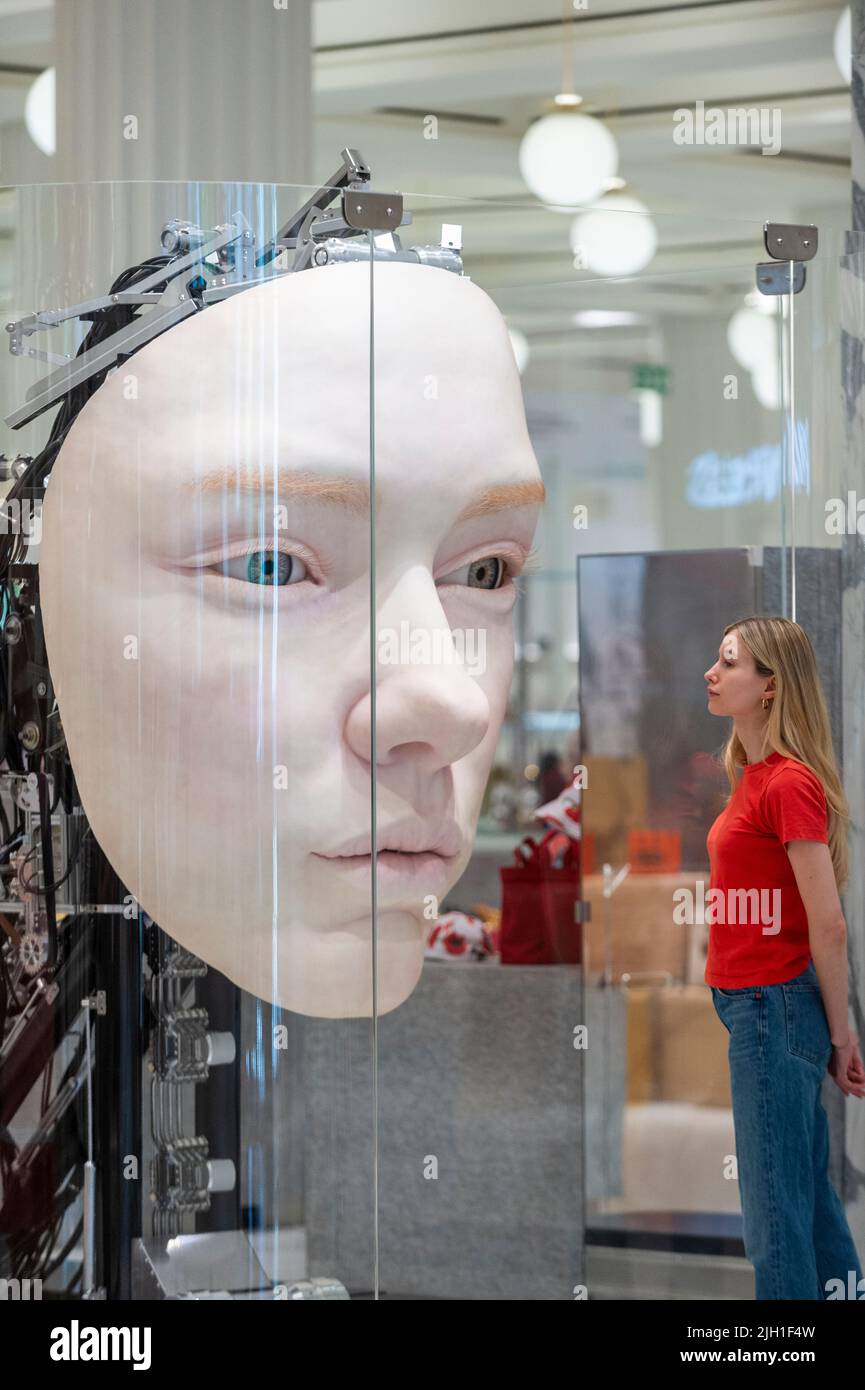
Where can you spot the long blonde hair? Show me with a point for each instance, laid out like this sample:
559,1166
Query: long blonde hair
798,724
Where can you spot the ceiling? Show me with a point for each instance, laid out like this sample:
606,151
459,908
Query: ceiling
381,66
487,69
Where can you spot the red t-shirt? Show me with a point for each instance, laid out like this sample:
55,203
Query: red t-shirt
761,938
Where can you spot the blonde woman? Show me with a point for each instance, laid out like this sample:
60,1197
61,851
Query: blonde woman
777,961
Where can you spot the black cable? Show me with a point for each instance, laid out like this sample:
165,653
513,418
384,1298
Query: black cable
105,322
20,596
32,887
70,1244
12,843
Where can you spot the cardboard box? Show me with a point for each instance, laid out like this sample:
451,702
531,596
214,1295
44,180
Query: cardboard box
634,929
615,800
677,1047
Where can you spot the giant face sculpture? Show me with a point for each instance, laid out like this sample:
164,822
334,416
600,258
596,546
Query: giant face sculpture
205,586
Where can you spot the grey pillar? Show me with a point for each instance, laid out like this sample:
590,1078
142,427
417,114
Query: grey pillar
184,89
214,95
852,297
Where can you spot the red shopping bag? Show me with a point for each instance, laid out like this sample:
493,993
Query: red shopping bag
539,898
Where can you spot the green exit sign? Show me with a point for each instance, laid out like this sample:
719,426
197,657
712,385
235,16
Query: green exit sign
648,376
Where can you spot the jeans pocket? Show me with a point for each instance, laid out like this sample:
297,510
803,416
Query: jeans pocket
807,1026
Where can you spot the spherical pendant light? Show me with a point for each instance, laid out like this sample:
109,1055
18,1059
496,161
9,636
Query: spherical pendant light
752,338
842,44
520,345
616,237
766,382
39,112
566,158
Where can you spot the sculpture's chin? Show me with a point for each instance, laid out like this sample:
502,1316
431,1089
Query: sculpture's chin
328,973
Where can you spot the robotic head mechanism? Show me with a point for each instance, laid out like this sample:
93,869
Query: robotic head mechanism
196,267
54,879
202,266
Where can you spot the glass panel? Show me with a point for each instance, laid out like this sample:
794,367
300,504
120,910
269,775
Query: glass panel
478,1147
541,1125
385,892
203,585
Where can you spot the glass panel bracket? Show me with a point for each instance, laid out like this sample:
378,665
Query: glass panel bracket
786,243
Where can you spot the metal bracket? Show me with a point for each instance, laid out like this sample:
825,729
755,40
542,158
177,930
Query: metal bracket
787,241
773,277
353,170
372,212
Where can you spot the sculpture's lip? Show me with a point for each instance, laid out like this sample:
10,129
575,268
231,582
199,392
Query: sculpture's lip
402,877
409,837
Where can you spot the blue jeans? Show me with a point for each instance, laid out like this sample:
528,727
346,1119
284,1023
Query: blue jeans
795,1229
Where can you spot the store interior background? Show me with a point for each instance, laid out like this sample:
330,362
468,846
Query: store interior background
623,381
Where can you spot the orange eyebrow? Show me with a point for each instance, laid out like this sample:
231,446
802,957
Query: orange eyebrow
352,494
493,499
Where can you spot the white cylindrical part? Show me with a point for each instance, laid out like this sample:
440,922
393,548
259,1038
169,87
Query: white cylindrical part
221,1175
221,1049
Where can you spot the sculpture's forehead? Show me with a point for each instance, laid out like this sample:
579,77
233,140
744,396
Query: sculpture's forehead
422,318
286,366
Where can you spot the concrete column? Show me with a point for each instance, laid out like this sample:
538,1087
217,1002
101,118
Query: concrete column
184,89
165,108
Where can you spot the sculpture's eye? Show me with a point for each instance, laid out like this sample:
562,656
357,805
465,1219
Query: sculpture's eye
275,567
487,573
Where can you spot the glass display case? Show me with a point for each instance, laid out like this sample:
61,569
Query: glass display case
339,954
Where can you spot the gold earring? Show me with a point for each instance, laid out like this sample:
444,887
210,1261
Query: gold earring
765,703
